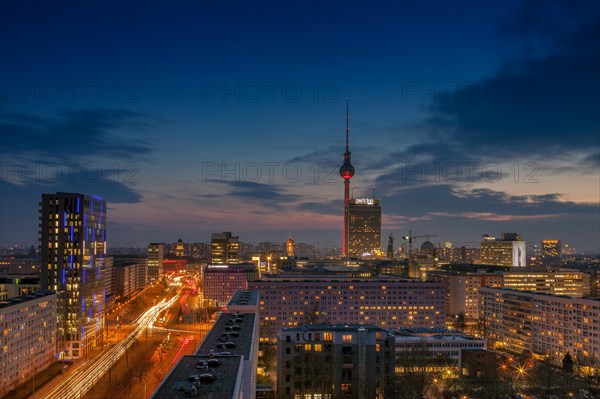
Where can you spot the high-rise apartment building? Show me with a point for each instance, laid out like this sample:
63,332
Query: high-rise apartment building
224,248
364,227
154,262
326,361
544,324
388,303
462,290
27,337
509,250
73,248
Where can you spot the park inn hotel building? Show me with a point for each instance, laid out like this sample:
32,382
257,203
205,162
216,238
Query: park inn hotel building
363,223
73,250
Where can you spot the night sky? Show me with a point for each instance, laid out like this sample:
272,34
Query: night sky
191,118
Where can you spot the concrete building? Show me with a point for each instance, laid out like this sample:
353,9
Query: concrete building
438,343
28,333
130,278
154,262
477,363
73,249
224,248
220,282
559,282
326,361
11,287
224,365
544,324
462,287
509,250
385,302
462,290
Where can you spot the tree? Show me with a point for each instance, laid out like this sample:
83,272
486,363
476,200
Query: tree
415,378
567,363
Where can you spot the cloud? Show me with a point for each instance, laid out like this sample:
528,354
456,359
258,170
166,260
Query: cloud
74,134
265,194
534,105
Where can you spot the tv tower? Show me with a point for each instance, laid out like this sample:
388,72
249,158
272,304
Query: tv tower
346,171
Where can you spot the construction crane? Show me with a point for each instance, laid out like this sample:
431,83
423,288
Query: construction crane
410,239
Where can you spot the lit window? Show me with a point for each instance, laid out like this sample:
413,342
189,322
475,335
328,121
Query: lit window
318,347
307,347
347,338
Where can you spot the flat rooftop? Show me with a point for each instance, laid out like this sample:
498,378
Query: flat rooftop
244,297
180,382
22,299
335,327
232,333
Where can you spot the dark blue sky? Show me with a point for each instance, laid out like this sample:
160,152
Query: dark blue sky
189,117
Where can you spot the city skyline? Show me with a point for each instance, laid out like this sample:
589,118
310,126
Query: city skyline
188,143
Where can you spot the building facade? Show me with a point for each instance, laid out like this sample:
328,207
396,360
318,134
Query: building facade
220,282
346,361
28,334
364,227
509,250
544,324
560,282
155,262
433,350
224,248
462,290
387,303
130,278
73,248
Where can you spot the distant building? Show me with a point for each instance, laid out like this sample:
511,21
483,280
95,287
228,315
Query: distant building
224,248
559,282
551,252
179,249
11,287
509,250
364,227
130,278
73,249
385,302
459,254
155,262
462,290
28,339
547,325
171,266
289,246
329,361
220,282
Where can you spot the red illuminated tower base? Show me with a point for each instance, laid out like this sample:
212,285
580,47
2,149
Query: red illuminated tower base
346,171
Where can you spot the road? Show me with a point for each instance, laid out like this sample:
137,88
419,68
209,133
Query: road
82,379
